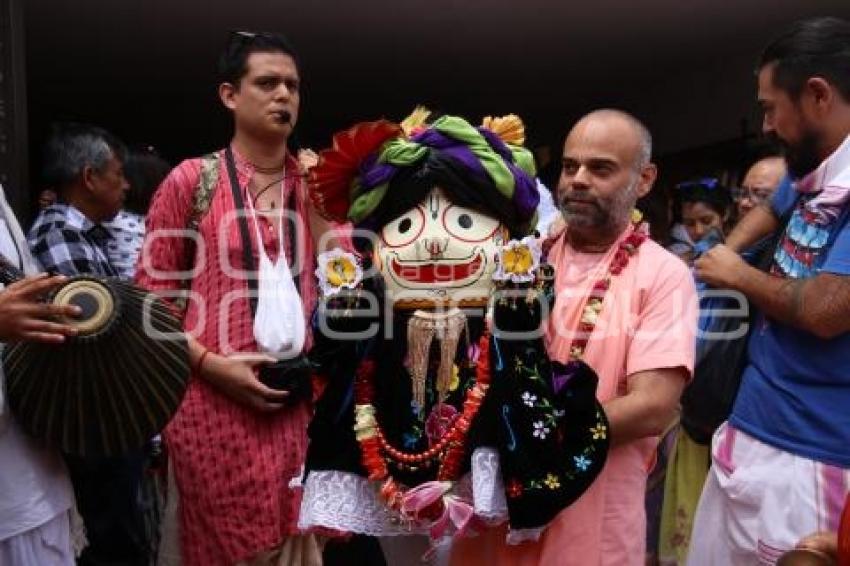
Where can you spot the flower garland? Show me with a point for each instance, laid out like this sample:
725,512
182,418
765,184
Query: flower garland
376,450
593,307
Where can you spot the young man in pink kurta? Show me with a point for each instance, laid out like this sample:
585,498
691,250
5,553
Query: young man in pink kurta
642,347
235,444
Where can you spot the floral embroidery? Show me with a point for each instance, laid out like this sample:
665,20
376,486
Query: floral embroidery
514,489
409,440
582,463
552,482
599,432
529,399
439,422
541,431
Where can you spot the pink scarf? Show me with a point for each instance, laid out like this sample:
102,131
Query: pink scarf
830,185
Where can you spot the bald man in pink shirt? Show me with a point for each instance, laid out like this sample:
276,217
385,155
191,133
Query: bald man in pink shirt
642,347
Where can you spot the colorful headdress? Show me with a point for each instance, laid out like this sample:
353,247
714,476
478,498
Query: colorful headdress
373,167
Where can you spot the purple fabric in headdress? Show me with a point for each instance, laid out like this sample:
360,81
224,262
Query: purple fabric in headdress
457,141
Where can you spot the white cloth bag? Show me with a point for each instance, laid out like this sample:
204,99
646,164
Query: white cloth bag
279,325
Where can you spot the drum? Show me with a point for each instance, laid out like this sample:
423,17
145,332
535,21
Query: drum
111,388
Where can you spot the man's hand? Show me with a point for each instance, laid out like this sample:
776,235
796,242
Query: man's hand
22,317
720,267
826,542
234,376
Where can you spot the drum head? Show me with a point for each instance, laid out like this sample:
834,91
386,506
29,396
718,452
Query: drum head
96,303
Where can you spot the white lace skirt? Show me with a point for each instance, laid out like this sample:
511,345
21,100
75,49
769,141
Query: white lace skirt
350,503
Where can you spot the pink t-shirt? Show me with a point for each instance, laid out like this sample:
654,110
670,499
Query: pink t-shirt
648,321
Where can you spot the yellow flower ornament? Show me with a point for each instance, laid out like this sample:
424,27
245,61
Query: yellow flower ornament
336,270
518,260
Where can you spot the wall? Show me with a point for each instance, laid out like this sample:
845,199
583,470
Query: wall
13,132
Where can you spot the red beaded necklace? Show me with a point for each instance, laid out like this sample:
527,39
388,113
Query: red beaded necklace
375,449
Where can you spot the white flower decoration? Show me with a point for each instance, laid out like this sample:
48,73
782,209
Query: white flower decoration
528,398
541,431
518,260
337,269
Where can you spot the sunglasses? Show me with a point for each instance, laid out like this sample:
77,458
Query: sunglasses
241,38
709,183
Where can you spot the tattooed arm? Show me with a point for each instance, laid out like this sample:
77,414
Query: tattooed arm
819,305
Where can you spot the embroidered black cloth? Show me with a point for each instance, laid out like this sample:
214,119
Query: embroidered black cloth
542,417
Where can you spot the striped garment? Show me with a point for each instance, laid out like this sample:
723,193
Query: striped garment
758,501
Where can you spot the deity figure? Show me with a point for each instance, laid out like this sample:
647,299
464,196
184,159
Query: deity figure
442,413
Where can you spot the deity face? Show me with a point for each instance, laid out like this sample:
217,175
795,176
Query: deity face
439,254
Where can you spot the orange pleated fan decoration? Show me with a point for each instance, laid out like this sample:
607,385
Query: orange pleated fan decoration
330,180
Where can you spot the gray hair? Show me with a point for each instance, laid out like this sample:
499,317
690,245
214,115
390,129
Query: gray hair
73,147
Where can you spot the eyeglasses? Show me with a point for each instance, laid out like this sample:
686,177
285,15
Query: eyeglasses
709,183
756,195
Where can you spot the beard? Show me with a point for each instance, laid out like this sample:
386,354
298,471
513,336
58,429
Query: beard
802,157
603,215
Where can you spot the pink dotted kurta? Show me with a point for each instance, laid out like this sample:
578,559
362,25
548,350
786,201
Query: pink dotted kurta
232,464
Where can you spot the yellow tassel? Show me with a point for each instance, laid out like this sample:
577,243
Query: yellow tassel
509,128
416,118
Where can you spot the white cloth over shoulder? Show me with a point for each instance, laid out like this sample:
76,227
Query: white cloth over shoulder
279,325
547,212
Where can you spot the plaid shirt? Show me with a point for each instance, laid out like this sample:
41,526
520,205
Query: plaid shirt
64,241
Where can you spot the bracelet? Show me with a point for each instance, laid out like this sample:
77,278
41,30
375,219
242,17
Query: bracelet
199,366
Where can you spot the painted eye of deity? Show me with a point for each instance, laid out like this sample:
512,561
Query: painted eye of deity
467,225
404,229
